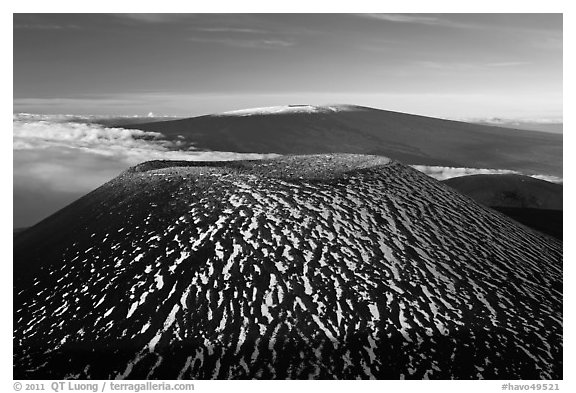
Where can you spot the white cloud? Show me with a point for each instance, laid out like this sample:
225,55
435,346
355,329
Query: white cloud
404,18
58,158
131,146
234,30
154,17
59,118
245,43
552,179
23,117
66,155
445,172
43,134
429,20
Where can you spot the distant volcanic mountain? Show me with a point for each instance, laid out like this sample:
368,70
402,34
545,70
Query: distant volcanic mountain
411,139
323,266
508,190
533,202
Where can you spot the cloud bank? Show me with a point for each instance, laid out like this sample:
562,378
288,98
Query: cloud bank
129,146
59,158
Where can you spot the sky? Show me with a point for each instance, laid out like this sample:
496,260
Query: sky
444,65
70,71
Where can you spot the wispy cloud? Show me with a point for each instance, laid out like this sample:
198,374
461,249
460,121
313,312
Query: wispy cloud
430,20
264,43
235,30
403,18
154,18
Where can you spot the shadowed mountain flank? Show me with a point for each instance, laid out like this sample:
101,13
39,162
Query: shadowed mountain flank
412,139
324,266
532,202
509,191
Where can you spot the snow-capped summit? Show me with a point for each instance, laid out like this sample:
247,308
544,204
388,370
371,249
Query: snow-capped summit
411,139
287,109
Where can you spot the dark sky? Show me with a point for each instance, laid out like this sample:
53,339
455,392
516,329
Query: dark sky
445,65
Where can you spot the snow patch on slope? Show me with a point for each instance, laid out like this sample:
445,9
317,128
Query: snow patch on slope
284,109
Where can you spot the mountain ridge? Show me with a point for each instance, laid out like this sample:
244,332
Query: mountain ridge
411,139
510,190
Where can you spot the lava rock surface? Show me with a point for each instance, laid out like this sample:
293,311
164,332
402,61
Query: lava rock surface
323,267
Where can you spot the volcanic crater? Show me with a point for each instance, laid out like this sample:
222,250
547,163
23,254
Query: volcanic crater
326,266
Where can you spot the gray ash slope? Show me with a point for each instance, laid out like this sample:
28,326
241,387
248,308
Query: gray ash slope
332,266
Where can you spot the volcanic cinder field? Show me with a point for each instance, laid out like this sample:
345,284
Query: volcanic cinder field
288,196
331,266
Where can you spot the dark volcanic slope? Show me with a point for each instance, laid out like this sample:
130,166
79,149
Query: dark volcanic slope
352,129
509,191
302,267
532,202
